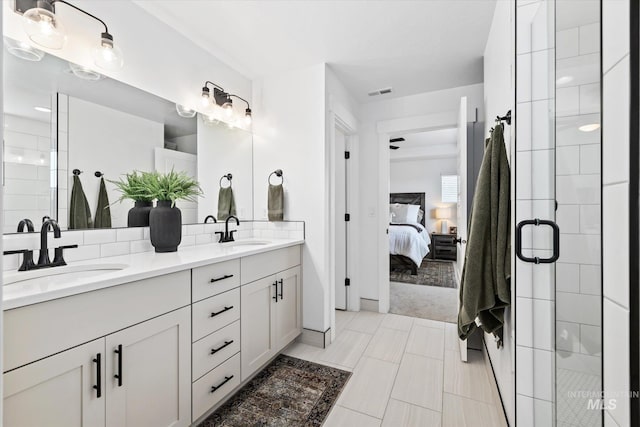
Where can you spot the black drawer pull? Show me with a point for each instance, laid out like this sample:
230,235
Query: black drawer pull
217,279
281,289
215,313
118,376
98,386
226,380
226,343
275,297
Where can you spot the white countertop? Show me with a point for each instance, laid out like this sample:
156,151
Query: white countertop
139,266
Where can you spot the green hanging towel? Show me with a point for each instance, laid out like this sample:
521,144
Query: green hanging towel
226,203
79,212
275,202
103,212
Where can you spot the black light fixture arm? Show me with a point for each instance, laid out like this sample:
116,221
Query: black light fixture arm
106,29
213,84
242,99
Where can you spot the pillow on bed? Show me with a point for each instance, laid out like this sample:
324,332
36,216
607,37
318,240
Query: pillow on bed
404,214
412,214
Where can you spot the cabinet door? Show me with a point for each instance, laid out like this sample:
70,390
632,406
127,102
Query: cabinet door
152,387
288,318
256,324
58,390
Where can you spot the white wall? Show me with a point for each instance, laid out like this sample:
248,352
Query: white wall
447,100
112,134
27,175
157,58
289,134
423,176
615,198
498,98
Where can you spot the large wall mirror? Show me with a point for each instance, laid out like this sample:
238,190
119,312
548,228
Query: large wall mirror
60,118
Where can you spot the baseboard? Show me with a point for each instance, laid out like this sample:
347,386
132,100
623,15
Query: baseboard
369,305
494,384
315,338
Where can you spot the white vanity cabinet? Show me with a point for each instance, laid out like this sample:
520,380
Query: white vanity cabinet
146,384
271,316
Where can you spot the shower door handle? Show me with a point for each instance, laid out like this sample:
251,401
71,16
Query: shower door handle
556,241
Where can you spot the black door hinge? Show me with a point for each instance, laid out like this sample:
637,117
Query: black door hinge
347,217
347,154
347,282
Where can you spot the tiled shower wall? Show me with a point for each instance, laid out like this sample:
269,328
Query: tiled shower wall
95,244
615,192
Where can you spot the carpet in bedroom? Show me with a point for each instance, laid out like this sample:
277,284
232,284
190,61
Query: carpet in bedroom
426,302
431,273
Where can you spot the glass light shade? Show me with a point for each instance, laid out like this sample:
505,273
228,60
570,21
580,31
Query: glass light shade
185,112
228,109
205,100
84,73
43,28
247,120
23,50
107,55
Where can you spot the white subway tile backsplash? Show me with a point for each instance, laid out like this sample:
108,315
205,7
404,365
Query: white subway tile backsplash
138,246
578,189
578,308
100,236
590,279
590,98
194,229
566,218
129,234
114,249
83,253
590,38
580,249
590,159
188,241
590,219
568,277
568,160
203,239
567,43
568,101
615,123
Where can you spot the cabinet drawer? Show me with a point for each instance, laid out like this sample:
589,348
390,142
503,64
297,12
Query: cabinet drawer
213,313
214,279
214,349
224,378
256,267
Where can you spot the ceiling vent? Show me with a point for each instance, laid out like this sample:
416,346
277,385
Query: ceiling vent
384,91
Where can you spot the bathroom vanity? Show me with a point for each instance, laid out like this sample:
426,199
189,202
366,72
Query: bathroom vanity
150,340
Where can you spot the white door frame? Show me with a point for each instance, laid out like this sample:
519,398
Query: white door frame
340,117
386,129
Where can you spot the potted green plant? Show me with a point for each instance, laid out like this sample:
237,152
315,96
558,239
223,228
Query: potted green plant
165,220
134,186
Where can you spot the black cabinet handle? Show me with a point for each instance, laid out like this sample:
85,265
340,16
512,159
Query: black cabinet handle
459,240
226,343
556,241
98,386
226,380
276,285
281,289
226,276
118,351
215,313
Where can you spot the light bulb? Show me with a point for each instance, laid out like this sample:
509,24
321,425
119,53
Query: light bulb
107,55
43,28
228,109
247,117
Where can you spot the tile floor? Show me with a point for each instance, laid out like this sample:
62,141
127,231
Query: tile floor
406,372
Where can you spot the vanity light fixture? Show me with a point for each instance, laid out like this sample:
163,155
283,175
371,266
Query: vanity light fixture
45,29
185,112
223,104
23,50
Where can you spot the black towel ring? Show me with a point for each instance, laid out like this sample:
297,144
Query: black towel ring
98,174
278,173
77,172
228,177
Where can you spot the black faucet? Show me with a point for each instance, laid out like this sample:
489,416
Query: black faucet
210,217
43,259
228,236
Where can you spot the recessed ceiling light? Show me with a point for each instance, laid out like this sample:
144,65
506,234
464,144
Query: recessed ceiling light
42,109
564,80
590,127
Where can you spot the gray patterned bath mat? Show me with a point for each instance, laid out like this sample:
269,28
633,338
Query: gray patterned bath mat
288,392
431,273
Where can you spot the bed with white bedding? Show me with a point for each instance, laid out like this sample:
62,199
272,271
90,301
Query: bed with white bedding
409,240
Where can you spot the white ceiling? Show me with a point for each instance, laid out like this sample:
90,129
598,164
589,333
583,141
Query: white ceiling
413,46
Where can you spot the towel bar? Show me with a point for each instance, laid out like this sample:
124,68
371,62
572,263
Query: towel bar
229,178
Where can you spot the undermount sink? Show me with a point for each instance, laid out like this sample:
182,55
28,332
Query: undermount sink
66,273
246,243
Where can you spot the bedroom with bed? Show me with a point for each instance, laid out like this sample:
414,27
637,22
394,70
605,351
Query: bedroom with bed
422,227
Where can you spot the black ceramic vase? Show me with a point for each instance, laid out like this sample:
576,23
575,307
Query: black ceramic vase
139,214
165,224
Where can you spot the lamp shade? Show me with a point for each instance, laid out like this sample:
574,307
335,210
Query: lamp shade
443,213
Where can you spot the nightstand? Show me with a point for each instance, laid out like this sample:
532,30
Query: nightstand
443,246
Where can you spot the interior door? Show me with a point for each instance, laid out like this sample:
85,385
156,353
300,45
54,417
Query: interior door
462,200
341,223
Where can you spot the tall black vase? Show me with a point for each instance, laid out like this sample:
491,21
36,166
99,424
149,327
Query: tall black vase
165,224
139,214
